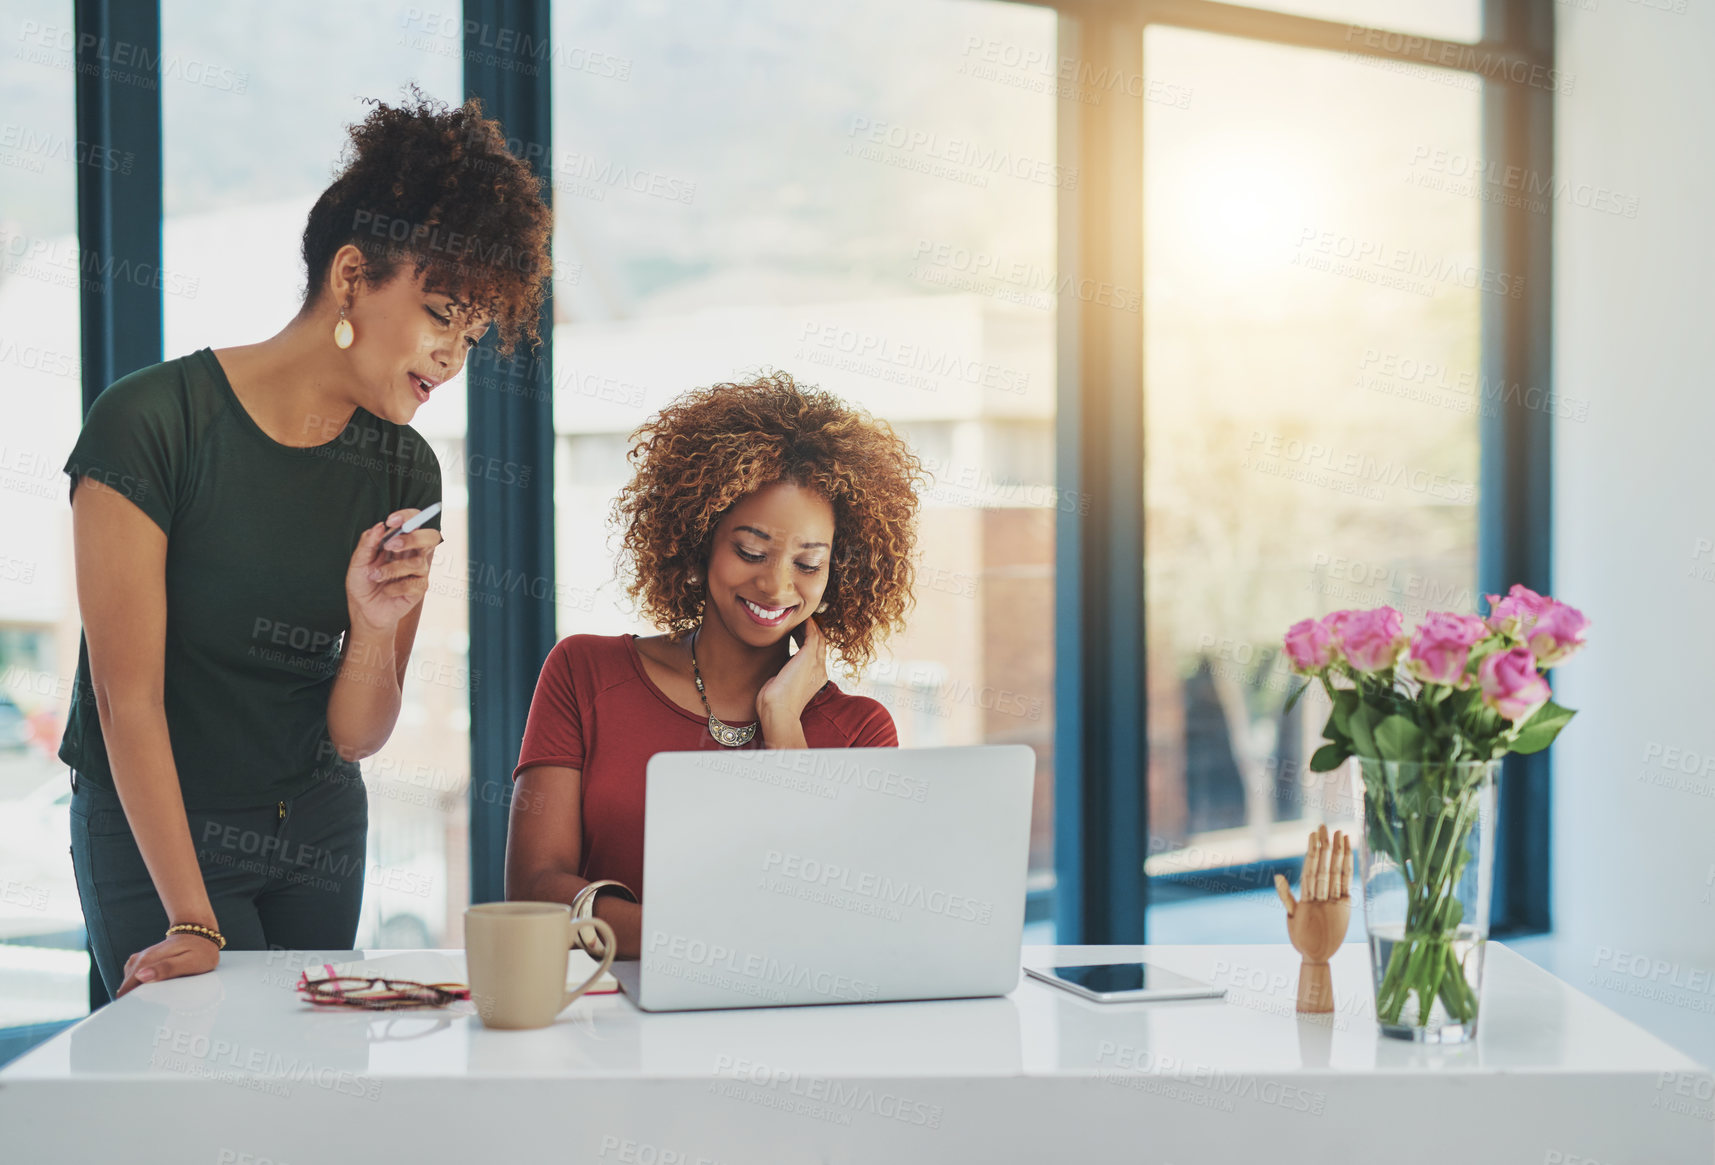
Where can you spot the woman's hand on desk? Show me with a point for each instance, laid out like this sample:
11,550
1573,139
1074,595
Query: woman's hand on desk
382,585
780,702
173,956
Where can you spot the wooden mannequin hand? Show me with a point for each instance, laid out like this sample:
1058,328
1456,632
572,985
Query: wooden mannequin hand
1317,921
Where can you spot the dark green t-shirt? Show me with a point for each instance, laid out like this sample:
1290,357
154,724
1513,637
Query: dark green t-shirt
259,536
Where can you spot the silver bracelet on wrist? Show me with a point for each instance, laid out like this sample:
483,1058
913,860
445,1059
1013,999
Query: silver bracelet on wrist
583,907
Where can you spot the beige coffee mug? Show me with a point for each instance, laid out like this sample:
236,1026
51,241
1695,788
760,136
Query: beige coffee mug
516,957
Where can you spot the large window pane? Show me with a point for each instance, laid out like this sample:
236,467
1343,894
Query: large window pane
246,154
1313,291
44,973
778,184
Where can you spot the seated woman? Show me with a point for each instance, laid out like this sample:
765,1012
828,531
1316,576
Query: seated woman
759,514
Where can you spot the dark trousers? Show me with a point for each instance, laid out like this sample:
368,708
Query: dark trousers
287,875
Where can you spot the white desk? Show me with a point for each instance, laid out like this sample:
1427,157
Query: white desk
231,1068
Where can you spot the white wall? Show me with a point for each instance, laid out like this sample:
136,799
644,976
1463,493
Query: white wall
1634,334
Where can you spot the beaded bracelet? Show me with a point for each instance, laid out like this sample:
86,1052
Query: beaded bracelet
208,932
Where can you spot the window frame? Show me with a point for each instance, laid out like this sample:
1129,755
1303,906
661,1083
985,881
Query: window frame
510,420
1101,730
121,322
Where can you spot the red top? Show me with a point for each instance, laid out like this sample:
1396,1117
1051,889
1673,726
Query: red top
596,710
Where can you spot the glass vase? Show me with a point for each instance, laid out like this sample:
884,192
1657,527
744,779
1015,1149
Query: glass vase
1426,865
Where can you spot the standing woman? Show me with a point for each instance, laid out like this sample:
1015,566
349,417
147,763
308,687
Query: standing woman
247,616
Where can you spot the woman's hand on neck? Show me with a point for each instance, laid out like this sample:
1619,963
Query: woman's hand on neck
781,702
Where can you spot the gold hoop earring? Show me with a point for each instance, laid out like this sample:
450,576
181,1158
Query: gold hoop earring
342,333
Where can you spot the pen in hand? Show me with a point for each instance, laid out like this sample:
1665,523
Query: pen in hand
412,523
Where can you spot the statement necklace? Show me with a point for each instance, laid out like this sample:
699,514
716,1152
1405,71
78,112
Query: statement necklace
723,733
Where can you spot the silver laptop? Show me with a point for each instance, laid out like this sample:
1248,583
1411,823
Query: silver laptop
831,876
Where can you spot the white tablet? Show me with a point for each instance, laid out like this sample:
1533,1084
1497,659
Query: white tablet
1125,982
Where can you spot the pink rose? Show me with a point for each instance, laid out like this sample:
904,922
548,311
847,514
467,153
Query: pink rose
1310,646
1441,646
1515,614
1370,640
1333,621
1511,684
1557,633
